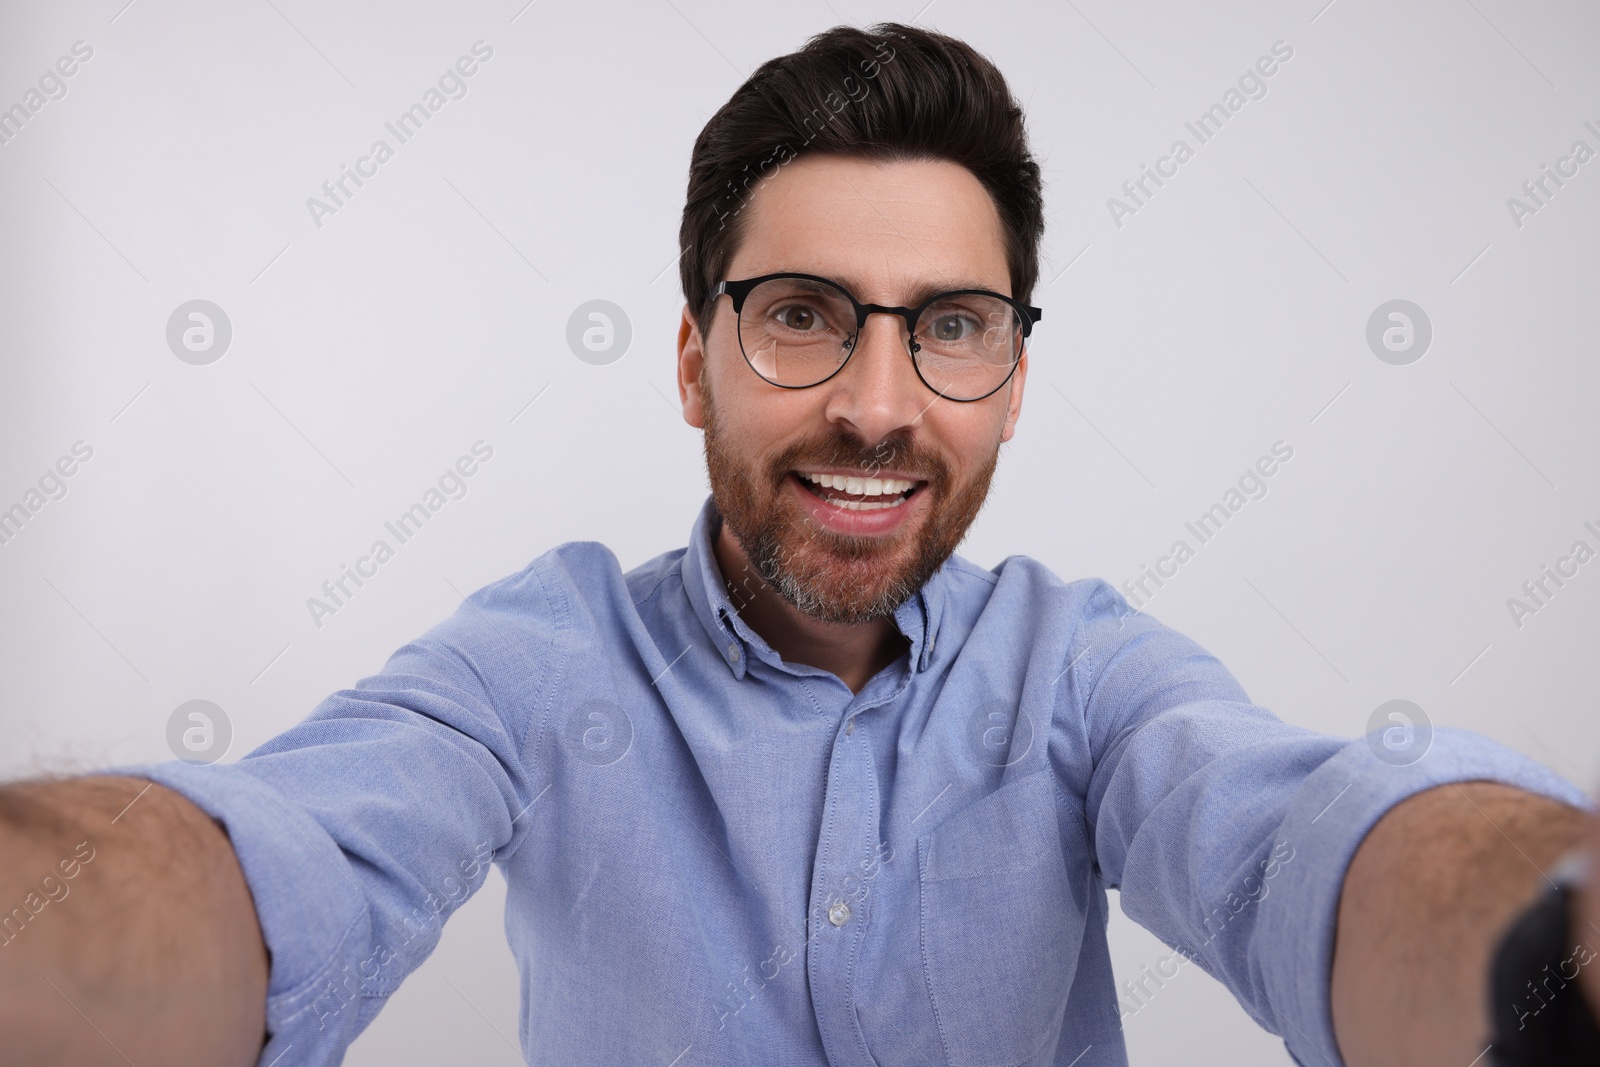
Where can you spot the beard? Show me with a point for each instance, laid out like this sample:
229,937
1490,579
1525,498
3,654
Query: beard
826,575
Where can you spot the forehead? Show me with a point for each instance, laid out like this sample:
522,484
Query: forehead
882,228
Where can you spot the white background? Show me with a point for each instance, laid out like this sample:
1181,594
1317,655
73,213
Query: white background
368,353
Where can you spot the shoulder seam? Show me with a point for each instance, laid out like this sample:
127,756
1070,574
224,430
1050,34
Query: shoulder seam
550,679
675,571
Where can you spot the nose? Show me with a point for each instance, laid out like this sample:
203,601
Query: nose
878,391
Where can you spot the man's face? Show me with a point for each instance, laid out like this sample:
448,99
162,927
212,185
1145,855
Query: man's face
894,234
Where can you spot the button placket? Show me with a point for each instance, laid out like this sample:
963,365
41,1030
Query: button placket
837,922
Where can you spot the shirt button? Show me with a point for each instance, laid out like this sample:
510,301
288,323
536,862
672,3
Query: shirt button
839,914
850,727
733,652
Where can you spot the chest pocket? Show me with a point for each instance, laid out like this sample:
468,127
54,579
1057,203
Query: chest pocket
1001,926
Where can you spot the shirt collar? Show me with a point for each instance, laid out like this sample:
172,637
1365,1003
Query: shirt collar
918,618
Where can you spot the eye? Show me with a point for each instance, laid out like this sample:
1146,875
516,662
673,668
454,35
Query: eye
951,327
798,318
801,318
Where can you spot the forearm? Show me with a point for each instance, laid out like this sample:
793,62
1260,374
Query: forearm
127,931
1425,901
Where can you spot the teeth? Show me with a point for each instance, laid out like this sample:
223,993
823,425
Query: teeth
861,486
865,505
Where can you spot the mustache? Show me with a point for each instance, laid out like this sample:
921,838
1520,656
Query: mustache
841,450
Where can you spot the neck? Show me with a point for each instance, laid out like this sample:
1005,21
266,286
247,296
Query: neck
852,651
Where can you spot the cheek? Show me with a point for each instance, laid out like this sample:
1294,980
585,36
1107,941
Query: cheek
761,416
751,431
969,443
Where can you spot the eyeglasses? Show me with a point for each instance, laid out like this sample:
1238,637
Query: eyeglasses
799,330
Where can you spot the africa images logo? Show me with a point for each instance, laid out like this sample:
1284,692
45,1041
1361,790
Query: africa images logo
452,85
1252,85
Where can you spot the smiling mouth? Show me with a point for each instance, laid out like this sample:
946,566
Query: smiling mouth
850,493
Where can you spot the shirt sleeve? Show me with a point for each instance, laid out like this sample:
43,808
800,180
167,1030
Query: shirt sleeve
1228,830
362,828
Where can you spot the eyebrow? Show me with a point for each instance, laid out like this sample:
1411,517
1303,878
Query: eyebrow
923,291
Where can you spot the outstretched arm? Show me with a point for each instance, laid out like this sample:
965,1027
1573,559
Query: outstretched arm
1426,899
128,932
1348,898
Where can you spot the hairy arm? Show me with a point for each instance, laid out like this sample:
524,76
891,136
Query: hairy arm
127,932
1425,901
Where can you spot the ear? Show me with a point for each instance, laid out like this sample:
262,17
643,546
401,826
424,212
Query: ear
691,361
1014,403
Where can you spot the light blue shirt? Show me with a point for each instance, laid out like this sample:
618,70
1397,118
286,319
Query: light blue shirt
717,857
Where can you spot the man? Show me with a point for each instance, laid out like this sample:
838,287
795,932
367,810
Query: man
813,789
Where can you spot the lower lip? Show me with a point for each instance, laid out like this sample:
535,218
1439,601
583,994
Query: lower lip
873,523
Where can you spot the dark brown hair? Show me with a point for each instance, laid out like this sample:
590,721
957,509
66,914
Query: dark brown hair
891,92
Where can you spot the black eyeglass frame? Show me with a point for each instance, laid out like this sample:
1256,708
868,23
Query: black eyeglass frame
738,291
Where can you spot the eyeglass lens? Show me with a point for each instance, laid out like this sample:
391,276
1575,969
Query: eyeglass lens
797,332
